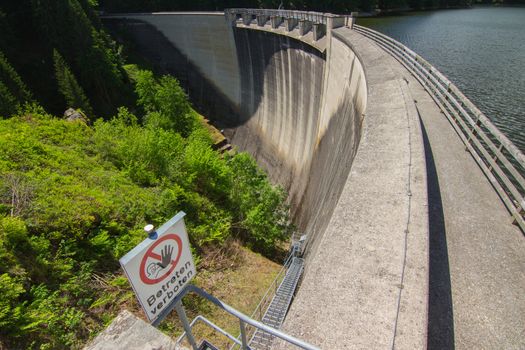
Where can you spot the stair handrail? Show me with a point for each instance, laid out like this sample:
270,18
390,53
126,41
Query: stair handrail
243,319
212,325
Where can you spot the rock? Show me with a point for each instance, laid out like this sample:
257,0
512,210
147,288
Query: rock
72,114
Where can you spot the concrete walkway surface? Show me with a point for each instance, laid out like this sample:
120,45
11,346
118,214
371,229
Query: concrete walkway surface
420,251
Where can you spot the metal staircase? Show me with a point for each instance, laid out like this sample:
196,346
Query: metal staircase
274,315
264,323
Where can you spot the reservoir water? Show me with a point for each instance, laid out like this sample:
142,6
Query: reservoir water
481,50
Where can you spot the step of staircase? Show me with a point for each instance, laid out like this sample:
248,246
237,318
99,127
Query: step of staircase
276,312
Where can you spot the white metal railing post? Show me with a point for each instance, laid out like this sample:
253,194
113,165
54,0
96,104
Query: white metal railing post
243,335
505,167
185,324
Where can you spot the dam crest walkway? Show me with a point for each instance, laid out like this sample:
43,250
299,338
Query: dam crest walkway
415,208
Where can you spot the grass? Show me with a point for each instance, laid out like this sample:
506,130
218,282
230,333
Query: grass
240,285
215,134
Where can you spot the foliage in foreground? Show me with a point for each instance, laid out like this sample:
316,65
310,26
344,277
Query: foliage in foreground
73,200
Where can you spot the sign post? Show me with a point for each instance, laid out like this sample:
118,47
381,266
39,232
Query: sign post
160,267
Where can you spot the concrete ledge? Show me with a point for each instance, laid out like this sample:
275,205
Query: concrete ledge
290,23
304,26
276,21
261,20
128,332
319,30
366,283
292,28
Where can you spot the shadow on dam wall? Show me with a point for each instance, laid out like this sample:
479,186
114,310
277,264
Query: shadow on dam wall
281,86
150,43
302,118
298,117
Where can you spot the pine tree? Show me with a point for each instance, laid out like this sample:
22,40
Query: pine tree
13,91
68,85
8,102
10,78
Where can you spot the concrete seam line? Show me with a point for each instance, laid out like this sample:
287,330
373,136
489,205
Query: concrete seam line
409,207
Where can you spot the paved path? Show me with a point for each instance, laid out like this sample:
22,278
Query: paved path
477,295
351,296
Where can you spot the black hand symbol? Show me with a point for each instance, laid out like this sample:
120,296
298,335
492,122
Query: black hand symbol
166,256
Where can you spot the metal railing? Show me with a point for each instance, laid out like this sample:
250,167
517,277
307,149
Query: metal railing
272,289
267,298
209,323
259,310
500,160
243,321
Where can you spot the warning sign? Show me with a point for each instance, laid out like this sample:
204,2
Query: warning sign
153,263
160,266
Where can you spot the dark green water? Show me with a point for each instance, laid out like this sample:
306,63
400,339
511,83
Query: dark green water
481,50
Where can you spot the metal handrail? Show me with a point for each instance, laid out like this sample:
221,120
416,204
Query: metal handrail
243,319
273,286
263,303
501,161
212,325
270,292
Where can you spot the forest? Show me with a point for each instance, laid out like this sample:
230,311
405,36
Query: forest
76,194
333,6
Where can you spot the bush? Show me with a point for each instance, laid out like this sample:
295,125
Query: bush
165,103
263,214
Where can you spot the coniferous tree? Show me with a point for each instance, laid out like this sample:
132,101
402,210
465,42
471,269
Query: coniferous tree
93,57
7,101
13,91
68,85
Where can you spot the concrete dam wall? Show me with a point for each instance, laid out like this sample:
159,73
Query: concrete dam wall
298,110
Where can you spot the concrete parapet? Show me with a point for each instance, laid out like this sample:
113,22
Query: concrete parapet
304,26
338,22
276,21
247,19
290,23
350,20
261,20
319,30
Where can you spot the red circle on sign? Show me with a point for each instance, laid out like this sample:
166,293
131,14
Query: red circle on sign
150,254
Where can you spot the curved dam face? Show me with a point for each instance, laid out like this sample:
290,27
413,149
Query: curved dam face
296,109
357,185
301,118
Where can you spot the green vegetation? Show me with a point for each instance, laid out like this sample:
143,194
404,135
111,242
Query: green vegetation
68,85
334,6
73,199
13,91
59,49
74,196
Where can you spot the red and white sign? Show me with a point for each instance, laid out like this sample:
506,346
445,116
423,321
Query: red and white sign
160,266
